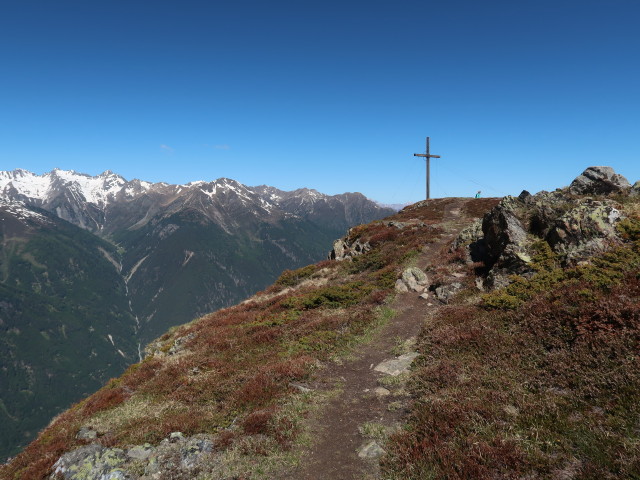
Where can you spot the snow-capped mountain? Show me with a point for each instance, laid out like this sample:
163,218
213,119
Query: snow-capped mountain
108,202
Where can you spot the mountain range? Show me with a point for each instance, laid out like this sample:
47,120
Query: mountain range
95,267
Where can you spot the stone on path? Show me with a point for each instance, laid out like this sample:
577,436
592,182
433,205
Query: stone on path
401,287
396,366
381,392
415,279
371,450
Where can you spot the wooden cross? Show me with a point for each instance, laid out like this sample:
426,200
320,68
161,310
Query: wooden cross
428,156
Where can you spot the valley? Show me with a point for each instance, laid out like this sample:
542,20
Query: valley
94,268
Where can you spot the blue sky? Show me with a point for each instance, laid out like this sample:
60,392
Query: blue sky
331,95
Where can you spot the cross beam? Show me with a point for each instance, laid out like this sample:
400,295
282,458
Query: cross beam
428,157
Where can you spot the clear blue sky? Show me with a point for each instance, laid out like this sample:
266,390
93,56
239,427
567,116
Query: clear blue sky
332,95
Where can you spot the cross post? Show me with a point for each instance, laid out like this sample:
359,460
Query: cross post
428,157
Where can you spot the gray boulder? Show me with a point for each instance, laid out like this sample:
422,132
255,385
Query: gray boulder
444,293
505,236
598,181
415,279
401,287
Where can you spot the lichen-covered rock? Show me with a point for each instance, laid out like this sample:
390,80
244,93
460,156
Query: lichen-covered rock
468,235
91,462
193,450
415,279
444,293
584,231
598,181
471,239
635,189
574,226
87,433
371,450
141,452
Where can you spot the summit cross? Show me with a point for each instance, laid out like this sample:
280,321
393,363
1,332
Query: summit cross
428,157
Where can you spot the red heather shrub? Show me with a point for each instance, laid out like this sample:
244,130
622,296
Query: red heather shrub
258,422
271,381
104,399
383,235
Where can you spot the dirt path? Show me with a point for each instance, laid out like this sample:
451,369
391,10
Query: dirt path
336,428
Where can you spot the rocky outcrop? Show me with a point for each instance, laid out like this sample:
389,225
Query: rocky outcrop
343,249
174,458
635,189
598,181
573,224
91,462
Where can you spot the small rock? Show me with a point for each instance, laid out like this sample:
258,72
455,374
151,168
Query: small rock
397,365
140,452
194,450
445,292
175,437
511,410
371,450
300,387
87,433
401,287
415,279
381,392
424,296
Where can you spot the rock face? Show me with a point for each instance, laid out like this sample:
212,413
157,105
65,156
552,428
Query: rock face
573,225
598,181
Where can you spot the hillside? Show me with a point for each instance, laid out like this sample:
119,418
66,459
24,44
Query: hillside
95,267
459,338
65,322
